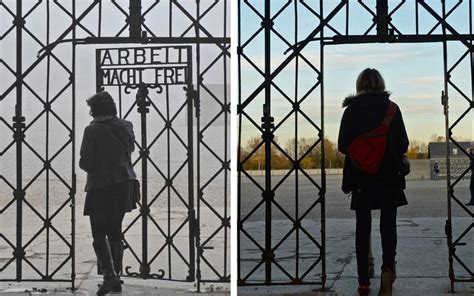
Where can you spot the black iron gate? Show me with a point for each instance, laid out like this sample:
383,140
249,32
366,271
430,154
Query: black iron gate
53,29
269,49
153,87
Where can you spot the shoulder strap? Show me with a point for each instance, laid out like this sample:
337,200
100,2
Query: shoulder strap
392,109
117,136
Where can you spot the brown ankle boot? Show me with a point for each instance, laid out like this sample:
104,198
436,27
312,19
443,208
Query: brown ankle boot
386,280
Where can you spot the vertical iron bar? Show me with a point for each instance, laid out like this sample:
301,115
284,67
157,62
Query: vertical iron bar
99,21
267,139
323,158
417,29
98,71
73,160
168,174
135,18
471,51
226,171
239,142
297,278
120,100
347,18
200,192
170,18
18,125
48,76
382,18
193,226
445,99
143,110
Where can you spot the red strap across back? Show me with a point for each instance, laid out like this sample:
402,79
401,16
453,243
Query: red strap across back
392,108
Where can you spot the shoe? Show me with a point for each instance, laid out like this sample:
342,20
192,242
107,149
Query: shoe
386,281
364,289
116,249
102,250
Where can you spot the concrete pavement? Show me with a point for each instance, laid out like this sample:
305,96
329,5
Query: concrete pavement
422,257
131,287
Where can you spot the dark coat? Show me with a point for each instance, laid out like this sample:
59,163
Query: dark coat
106,153
364,113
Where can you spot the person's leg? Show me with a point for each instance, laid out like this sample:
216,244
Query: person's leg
98,226
102,249
388,233
114,234
99,231
362,241
114,226
371,256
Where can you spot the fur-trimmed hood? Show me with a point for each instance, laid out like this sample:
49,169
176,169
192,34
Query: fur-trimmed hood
349,99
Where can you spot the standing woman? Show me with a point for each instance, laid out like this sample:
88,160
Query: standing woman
106,157
471,185
382,190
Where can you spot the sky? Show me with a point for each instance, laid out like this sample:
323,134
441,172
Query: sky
413,73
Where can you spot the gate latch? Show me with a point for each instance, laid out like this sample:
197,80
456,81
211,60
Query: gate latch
444,102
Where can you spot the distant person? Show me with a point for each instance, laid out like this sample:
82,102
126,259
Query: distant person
384,189
436,171
106,157
471,185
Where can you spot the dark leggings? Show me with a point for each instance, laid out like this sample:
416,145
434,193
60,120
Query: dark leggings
388,232
107,225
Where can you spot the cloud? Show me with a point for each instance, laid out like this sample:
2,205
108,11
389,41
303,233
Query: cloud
344,56
422,81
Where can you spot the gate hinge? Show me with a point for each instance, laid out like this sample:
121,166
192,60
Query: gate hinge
74,185
447,228
193,95
267,124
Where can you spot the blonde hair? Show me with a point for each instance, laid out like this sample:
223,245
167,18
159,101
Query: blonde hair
370,80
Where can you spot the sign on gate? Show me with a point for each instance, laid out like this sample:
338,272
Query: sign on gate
164,65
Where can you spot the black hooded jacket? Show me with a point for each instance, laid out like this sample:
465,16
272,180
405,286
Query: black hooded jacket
365,112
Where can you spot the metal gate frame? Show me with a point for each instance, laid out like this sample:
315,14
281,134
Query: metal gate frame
139,32
380,18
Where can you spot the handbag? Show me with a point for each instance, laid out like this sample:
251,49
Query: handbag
136,194
405,166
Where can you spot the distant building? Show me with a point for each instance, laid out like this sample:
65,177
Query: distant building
459,160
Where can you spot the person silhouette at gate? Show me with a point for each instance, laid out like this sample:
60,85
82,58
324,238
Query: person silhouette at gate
436,171
105,155
471,184
370,116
